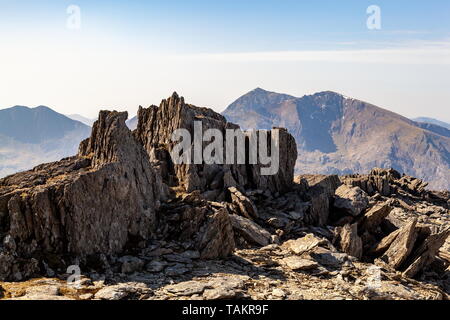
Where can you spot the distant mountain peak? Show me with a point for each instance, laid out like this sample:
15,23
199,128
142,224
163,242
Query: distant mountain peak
36,125
29,136
328,92
17,107
40,108
259,90
45,108
337,134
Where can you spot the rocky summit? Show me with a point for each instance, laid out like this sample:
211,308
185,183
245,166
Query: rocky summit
139,226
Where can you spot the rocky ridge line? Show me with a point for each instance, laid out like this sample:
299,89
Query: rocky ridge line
136,224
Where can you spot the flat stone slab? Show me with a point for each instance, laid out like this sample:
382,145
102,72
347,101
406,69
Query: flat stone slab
297,263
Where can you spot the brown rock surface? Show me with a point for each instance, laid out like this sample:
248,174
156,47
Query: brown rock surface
351,200
350,242
245,205
375,216
426,253
402,246
250,231
386,182
320,192
155,128
97,202
234,235
302,245
385,243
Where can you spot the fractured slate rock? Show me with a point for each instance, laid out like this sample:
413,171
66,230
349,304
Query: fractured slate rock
351,200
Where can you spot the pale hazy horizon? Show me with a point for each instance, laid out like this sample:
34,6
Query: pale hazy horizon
126,55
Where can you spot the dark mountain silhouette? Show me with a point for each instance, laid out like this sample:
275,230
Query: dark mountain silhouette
36,125
340,135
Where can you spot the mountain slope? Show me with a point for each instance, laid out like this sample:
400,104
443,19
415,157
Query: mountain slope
82,119
434,128
30,136
433,121
340,135
35,125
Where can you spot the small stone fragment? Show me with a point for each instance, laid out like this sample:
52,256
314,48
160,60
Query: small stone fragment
350,242
351,200
250,231
303,245
296,263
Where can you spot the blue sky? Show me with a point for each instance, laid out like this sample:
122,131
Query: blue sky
220,49
236,25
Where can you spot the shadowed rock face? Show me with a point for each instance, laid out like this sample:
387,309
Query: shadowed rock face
108,210
318,113
99,201
155,128
106,199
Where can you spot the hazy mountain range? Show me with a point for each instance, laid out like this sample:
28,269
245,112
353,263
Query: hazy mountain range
432,121
30,136
340,135
335,135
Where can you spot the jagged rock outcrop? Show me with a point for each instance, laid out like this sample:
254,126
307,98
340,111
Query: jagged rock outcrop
97,202
106,199
125,213
250,231
319,190
375,216
402,246
201,225
398,231
386,182
426,252
245,206
157,124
